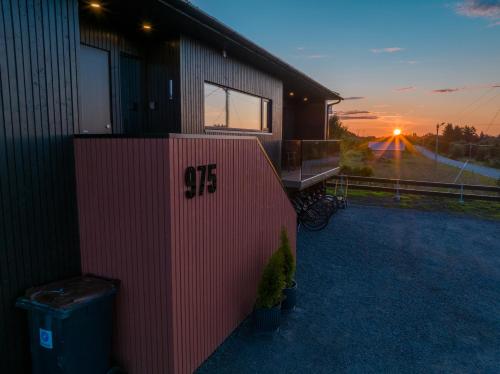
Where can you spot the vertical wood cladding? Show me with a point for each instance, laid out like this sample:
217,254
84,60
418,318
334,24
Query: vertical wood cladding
124,218
189,267
163,66
200,63
38,115
304,120
160,61
97,36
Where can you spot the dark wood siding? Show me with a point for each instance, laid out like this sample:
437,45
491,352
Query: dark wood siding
160,59
163,65
99,37
38,115
304,120
200,63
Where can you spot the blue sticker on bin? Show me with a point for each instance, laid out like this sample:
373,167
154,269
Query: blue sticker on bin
46,338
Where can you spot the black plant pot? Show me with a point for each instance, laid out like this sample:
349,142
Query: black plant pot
267,319
290,297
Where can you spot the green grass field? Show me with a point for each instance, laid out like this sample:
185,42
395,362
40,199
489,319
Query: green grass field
476,208
413,166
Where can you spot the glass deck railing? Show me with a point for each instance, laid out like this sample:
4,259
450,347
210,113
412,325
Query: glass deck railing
304,159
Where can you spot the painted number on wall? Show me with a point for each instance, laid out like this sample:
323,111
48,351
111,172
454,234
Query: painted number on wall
207,178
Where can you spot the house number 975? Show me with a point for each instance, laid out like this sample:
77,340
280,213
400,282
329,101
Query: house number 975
207,177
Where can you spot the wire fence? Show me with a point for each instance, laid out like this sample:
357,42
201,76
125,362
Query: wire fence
459,191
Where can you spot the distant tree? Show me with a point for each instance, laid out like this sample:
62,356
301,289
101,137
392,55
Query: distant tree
469,134
458,134
336,130
449,133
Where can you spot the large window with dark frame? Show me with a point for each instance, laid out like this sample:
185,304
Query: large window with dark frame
231,109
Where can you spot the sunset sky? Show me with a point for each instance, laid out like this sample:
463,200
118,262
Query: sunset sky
407,64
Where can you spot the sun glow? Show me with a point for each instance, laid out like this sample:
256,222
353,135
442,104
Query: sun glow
397,132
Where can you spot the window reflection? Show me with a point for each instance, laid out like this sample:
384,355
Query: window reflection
215,106
229,108
244,111
266,114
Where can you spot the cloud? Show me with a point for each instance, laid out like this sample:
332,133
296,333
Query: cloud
405,89
446,90
494,24
466,88
479,8
346,118
300,48
356,114
354,98
351,112
386,50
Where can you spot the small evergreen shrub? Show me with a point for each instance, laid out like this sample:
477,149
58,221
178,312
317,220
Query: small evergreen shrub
289,264
271,283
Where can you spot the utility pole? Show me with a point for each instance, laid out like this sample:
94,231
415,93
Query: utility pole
438,125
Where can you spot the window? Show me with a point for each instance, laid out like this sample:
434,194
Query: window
227,108
215,106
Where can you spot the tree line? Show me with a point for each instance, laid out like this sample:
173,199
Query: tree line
464,142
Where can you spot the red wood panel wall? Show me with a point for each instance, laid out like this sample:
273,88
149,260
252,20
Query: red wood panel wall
122,189
189,267
220,241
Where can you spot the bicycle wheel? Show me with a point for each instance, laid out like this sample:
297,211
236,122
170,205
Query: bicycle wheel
315,217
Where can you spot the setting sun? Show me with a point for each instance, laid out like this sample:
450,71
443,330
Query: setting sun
396,132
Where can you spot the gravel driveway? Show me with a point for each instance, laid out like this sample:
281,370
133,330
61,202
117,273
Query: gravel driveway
384,291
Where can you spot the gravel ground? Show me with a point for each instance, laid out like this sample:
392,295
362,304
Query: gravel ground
384,291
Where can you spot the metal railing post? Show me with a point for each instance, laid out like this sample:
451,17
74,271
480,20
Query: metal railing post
398,196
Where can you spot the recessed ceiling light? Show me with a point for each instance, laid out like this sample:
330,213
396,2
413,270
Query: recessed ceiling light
291,93
147,26
95,5
305,99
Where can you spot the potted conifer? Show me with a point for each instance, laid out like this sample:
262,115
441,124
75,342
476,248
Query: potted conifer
270,293
289,266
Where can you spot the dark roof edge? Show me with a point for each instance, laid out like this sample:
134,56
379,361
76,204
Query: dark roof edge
198,15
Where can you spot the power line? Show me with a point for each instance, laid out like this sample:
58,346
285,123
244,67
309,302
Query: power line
475,101
492,120
480,104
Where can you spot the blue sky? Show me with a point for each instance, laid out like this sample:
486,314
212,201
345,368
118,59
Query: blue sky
415,63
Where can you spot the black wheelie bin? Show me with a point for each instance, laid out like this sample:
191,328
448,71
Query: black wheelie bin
70,324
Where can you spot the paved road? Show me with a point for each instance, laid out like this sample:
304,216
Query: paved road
482,170
384,291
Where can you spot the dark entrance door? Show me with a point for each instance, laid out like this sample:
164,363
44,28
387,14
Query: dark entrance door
95,108
132,74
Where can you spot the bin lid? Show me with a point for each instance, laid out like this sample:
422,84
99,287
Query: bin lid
71,293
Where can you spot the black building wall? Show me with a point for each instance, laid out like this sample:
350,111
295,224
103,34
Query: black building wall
199,63
160,63
38,116
304,119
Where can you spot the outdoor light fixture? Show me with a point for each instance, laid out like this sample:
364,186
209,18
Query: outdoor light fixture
291,94
95,5
146,26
